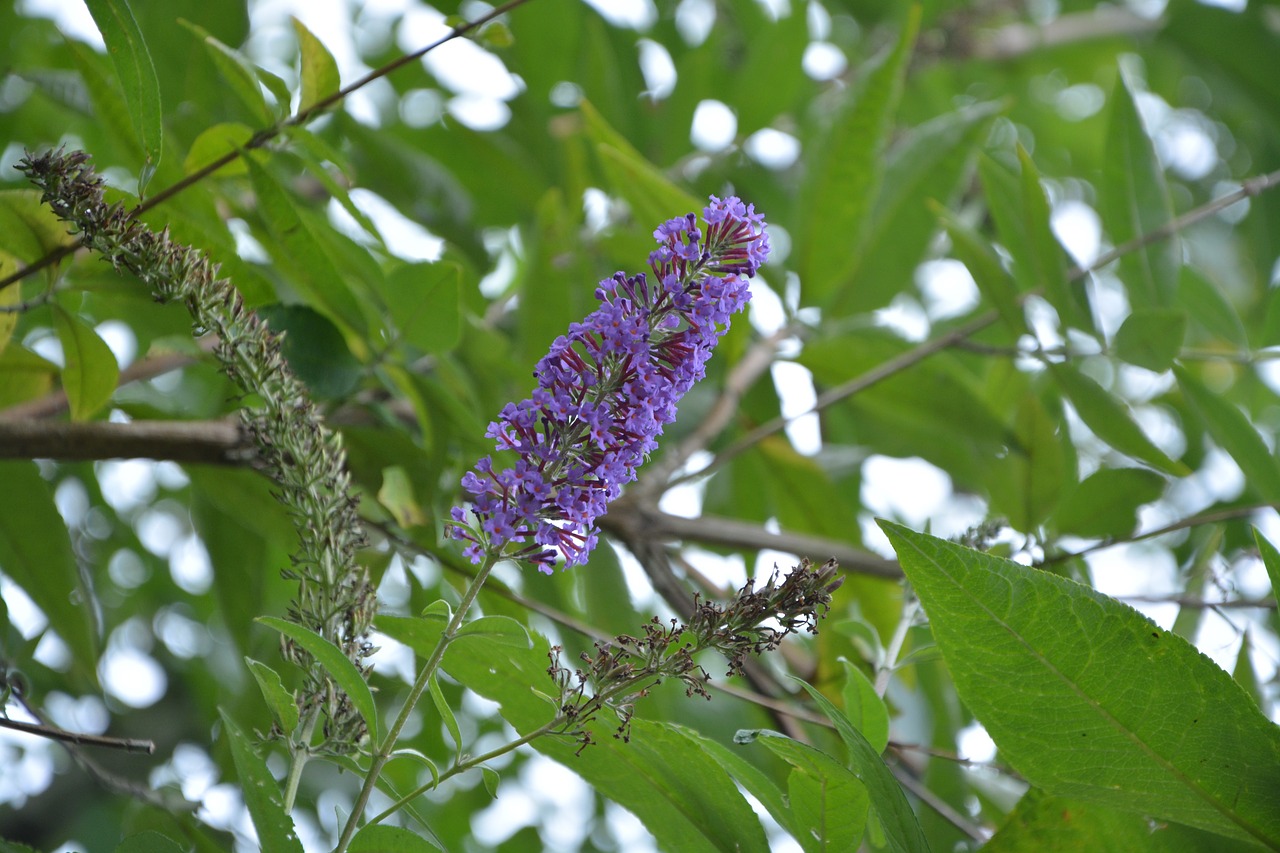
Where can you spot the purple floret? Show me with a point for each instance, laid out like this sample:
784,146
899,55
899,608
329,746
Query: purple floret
607,389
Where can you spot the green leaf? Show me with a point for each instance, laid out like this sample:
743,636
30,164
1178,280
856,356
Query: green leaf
498,629
315,349
1028,482
235,72
750,777
1246,676
901,827
214,144
1151,337
1110,419
1270,560
303,252
1235,434
652,196
828,803
421,634
425,303
1106,504
492,781
397,496
1041,823
446,714
1140,720
1208,307
378,838
24,376
336,664
1134,201
279,700
35,551
319,71
993,280
261,793
149,842
928,167
9,297
137,75
864,708
844,175
29,229
90,372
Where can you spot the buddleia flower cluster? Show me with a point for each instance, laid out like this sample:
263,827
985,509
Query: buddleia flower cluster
606,390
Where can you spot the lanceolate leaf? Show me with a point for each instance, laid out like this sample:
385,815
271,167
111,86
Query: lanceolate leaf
1139,721
137,76
1232,430
1134,202
844,178
1270,560
828,803
35,550
90,371
343,671
902,829
319,70
261,792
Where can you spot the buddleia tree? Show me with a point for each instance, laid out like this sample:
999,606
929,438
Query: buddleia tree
692,426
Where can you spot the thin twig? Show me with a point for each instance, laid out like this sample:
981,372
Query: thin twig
262,137
78,738
1181,524
1195,603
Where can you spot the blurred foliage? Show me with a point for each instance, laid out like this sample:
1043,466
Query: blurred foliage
945,184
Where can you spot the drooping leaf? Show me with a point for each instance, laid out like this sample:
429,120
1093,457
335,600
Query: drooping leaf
425,302
1106,503
319,70
90,372
9,298
1141,721
336,664
897,820
279,700
497,629
1235,434
1110,419
1151,337
844,175
828,803
1208,307
988,273
137,74
215,143
24,376
1028,482
149,842
750,777
261,793
380,838
29,229
315,349
446,714
235,71
1134,201
1270,560
35,551
864,708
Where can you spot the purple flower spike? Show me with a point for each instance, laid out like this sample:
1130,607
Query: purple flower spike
606,390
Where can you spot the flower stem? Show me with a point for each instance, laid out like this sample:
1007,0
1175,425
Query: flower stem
301,753
384,750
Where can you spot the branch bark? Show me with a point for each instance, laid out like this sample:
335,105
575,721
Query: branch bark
205,442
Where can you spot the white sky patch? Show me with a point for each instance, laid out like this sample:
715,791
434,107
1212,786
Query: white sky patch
974,744
121,340
694,20
948,288
421,107
632,14
189,565
911,490
132,676
23,612
797,395
126,484
71,18
658,69
823,61
906,317
1078,228
479,112
460,65
773,149
1138,569
403,237
714,126
1079,102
